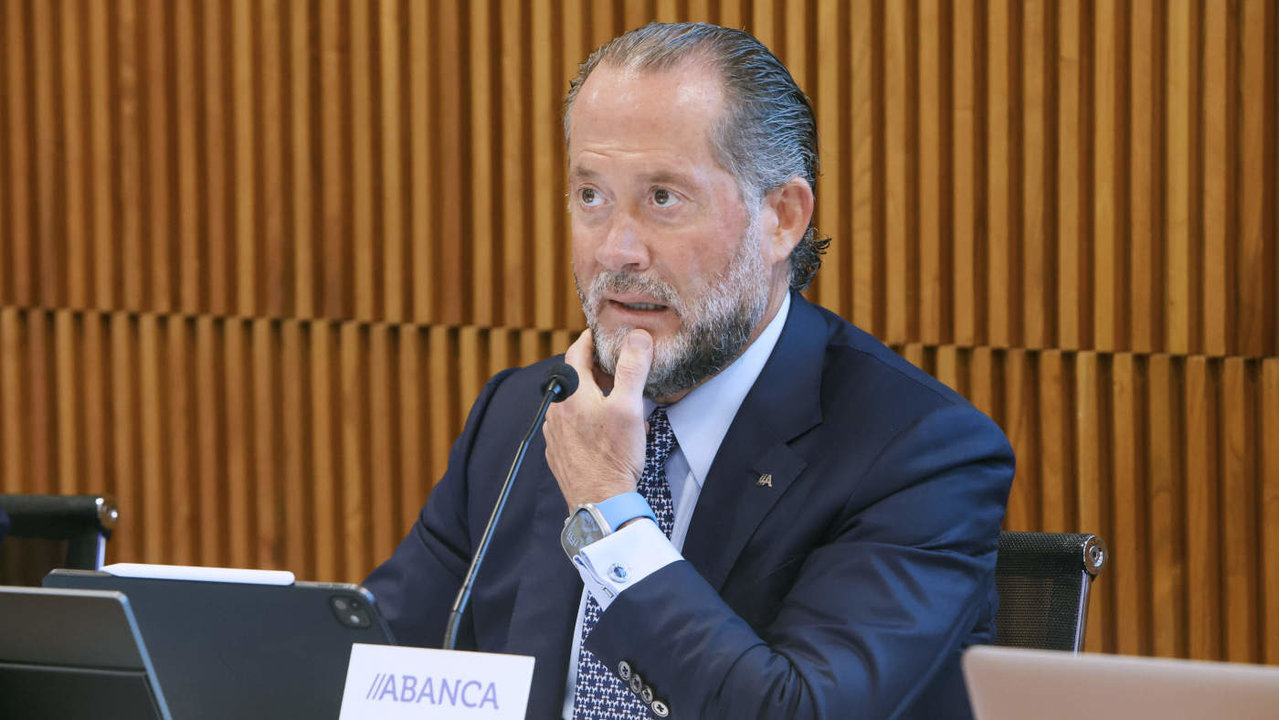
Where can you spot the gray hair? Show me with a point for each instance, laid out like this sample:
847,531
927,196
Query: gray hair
768,134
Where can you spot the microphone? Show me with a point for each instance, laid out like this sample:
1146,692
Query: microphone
560,382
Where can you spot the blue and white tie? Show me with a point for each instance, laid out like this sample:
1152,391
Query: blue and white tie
600,694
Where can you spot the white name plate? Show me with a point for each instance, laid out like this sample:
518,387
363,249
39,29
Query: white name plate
387,682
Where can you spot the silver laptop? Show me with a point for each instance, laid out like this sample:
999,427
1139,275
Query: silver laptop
1014,684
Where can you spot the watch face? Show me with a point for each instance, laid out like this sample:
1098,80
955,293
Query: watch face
582,529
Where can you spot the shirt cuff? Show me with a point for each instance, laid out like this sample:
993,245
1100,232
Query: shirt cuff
618,561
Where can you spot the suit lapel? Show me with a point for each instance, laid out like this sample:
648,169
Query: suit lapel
547,598
783,404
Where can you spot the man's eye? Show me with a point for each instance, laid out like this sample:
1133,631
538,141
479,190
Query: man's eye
663,197
589,197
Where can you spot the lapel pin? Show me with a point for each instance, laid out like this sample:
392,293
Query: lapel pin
765,480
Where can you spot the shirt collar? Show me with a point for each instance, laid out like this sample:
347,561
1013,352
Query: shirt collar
700,419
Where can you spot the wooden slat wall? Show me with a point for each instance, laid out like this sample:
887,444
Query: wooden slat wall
258,256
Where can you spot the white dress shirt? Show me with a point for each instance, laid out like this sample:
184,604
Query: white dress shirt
700,420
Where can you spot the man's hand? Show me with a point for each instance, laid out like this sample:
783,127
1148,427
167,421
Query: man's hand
595,444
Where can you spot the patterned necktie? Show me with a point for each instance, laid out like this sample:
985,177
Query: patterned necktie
600,694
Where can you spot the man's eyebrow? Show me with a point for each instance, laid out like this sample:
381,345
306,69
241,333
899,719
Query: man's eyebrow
669,177
657,177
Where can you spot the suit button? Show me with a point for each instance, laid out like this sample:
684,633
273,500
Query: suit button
637,683
659,709
647,694
624,670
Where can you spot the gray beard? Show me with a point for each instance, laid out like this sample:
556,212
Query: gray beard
716,326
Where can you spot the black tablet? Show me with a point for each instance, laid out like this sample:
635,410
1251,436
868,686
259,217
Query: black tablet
224,649
74,655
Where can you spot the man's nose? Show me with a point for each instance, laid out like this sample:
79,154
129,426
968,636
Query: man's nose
623,248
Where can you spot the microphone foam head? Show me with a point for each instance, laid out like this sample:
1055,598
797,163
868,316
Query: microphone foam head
561,381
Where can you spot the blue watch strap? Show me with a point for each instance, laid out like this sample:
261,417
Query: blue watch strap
620,509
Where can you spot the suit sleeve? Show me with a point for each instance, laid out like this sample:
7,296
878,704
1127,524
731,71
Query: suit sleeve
415,588
903,577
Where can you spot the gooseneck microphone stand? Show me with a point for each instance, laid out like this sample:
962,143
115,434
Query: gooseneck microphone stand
561,381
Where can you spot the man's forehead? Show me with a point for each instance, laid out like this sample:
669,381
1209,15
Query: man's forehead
690,88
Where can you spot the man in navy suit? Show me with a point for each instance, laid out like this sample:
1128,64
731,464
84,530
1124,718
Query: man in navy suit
749,508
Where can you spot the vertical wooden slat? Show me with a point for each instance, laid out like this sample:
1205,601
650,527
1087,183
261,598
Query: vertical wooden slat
1104,189
268,500
455,229
159,127
299,550
1165,536
1143,308
66,389
38,411
12,442
180,474
896,139
326,444
393,209
303,166
150,513
76,168
133,271
210,474
1054,449
421,90
1128,574
192,265
95,405
1070,131
929,205
1254,262
864,276
338,259
513,168
19,182
352,497
1238,495
217,206
48,237
1216,168
415,450
1019,424
128,538
832,112
485,142
441,400
275,270
962,144
998,174
1268,442
236,395
1035,235
364,243
101,119
1202,565
1178,110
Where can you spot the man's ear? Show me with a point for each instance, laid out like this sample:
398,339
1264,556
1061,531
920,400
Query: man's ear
792,206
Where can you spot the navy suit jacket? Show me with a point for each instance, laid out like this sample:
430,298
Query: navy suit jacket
846,588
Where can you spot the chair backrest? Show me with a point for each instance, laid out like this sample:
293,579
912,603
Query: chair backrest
49,531
1043,581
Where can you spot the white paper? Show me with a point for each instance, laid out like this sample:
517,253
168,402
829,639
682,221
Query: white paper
387,682
207,574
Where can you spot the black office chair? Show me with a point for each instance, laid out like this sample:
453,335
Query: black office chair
1043,581
53,531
